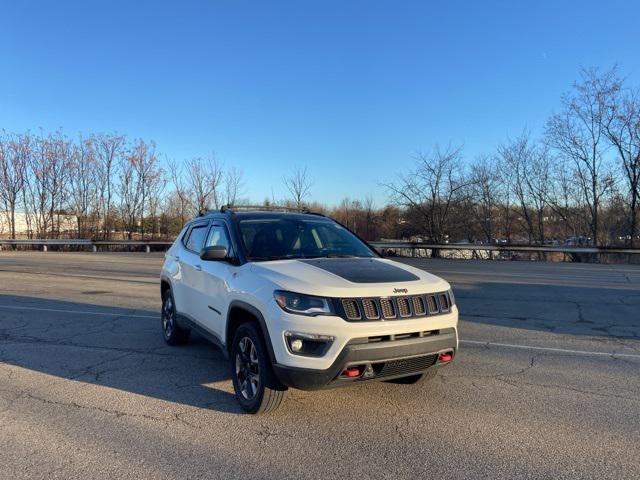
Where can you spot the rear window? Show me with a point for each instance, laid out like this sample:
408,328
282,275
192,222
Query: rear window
195,238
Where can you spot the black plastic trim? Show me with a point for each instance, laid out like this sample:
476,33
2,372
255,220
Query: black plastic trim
186,321
261,321
362,353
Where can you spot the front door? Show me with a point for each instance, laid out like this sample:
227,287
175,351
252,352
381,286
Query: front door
213,285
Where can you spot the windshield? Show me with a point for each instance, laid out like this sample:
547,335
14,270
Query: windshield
279,238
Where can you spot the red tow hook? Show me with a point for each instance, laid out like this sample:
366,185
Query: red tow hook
351,372
445,357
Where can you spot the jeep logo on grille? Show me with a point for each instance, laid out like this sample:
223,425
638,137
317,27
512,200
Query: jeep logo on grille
400,290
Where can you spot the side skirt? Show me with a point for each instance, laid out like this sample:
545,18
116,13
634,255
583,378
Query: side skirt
187,322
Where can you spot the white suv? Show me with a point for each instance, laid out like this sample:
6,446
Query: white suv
297,300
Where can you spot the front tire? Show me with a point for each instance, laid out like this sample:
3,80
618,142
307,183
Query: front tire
256,386
172,332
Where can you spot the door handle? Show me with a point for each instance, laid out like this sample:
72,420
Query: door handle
198,268
177,258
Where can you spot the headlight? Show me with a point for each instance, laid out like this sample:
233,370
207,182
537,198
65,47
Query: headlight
303,304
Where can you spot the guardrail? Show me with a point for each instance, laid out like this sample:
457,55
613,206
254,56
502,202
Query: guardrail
411,246
415,246
82,242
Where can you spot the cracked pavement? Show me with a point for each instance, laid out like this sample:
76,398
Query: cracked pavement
89,389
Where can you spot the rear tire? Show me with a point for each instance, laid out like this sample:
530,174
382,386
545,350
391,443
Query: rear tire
172,333
256,386
416,379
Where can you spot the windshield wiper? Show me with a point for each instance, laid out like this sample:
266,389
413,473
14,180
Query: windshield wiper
275,257
336,255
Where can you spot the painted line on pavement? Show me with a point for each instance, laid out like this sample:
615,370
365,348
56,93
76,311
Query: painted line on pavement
81,312
551,349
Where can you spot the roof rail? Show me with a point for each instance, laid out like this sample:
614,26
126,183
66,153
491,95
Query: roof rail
265,208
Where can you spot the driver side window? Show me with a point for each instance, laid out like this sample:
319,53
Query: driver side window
218,237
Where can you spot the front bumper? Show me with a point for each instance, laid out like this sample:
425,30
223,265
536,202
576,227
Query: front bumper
383,360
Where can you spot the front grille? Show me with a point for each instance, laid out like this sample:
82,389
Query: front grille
403,366
403,307
387,308
433,304
418,306
391,308
351,309
444,302
370,309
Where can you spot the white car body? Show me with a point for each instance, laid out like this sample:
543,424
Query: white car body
207,293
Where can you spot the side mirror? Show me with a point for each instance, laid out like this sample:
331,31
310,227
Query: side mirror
215,252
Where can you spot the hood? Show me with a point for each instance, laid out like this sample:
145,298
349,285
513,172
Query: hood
344,277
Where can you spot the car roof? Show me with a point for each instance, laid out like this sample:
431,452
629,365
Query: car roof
288,215
259,214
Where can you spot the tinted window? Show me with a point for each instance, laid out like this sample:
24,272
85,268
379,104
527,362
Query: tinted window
274,238
218,237
196,238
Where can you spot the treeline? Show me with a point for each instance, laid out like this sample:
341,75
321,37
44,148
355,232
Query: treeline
110,185
580,181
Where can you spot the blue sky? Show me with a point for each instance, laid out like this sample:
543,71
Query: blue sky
351,89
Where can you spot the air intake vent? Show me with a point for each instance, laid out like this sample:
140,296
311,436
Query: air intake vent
433,304
444,302
351,309
370,309
403,307
387,308
418,306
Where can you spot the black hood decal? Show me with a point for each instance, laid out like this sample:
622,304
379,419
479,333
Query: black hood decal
362,270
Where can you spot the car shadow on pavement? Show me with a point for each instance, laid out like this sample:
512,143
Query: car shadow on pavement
114,347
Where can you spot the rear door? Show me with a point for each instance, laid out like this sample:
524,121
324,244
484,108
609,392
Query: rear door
191,269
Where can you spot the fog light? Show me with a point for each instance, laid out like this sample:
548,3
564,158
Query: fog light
296,345
309,344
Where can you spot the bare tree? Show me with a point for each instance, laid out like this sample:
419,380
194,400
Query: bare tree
233,186
622,128
299,185
578,134
538,179
431,189
45,191
156,186
181,190
14,154
144,160
130,193
205,177
83,185
370,217
516,155
485,185
108,149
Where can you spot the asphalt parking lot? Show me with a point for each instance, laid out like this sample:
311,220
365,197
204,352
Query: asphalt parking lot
546,385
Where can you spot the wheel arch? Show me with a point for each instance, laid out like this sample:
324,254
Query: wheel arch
165,285
241,312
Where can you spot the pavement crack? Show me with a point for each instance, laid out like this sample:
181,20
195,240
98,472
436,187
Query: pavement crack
77,406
